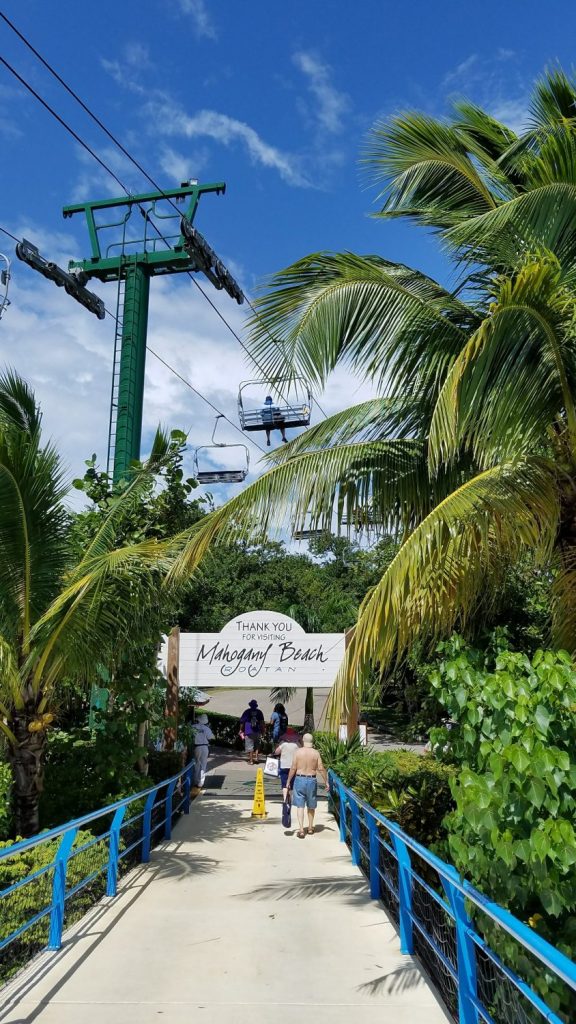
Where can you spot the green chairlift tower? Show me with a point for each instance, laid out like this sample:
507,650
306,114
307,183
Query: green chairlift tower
140,242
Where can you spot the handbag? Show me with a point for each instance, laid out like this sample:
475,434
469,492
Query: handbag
271,767
287,813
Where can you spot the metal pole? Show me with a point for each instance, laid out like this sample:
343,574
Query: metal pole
132,367
172,668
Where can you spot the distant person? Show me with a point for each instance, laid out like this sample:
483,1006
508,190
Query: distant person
288,744
202,734
271,419
251,729
305,764
278,722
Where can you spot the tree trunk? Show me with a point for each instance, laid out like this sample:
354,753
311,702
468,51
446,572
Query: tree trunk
309,710
27,763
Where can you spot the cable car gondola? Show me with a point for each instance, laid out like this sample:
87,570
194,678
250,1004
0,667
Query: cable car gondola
283,414
221,476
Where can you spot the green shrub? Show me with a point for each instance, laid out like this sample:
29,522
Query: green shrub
512,832
226,730
162,764
77,781
31,899
408,788
5,802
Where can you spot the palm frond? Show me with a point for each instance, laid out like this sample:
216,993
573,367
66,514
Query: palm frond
432,171
18,406
517,374
541,219
377,317
374,420
438,573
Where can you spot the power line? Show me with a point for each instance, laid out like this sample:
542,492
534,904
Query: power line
136,163
10,235
171,368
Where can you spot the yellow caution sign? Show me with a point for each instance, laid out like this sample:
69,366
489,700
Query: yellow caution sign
259,805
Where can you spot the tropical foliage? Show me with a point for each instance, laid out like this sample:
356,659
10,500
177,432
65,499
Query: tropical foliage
512,831
63,608
468,457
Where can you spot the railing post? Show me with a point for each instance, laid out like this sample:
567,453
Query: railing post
59,888
466,954
374,858
187,789
355,833
342,819
168,817
147,825
404,894
114,852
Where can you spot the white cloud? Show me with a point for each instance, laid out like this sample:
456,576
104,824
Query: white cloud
461,70
513,113
179,166
495,84
201,20
137,55
331,105
228,131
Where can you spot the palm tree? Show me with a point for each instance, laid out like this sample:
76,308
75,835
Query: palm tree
469,455
60,613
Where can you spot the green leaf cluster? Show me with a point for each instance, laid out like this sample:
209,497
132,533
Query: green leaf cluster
512,832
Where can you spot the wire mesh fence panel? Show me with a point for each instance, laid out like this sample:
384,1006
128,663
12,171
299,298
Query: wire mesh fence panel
502,965
435,942
388,874
26,884
86,873
131,836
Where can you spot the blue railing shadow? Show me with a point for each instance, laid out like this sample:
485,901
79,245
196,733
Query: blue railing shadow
441,918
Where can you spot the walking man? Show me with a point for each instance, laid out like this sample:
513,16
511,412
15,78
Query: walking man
251,729
202,735
305,764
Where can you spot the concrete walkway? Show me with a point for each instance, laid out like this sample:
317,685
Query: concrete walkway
234,920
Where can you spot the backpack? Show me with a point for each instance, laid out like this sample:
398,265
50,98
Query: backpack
282,723
255,720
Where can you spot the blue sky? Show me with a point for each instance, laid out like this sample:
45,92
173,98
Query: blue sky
276,100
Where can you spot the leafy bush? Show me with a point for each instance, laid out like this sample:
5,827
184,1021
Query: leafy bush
31,899
512,832
162,764
226,730
5,803
408,788
77,779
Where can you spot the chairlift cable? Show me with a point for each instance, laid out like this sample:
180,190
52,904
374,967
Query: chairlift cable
139,166
171,368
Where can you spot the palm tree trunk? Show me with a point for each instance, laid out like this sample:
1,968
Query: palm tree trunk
309,710
27,763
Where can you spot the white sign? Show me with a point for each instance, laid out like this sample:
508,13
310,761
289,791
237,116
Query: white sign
259,649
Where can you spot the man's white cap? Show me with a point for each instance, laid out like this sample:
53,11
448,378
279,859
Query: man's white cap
203,720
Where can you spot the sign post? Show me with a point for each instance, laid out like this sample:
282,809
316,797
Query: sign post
172,674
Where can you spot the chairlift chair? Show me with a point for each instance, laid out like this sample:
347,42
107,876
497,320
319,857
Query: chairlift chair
283,414
4,282
220,476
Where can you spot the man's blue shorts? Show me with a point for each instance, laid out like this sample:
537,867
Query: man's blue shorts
305,793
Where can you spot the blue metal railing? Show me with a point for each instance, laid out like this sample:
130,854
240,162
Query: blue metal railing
73,868
473,949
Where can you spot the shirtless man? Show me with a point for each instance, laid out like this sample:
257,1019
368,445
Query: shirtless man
306,763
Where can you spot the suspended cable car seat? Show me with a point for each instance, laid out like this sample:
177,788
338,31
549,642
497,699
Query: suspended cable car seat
275,416
220,476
